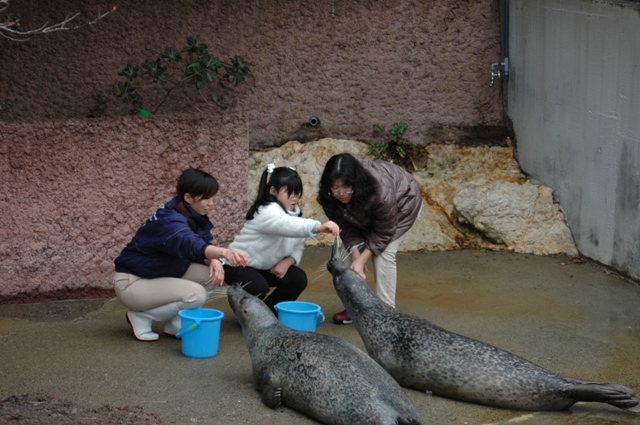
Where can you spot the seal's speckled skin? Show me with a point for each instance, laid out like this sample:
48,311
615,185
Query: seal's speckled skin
421,355
325,377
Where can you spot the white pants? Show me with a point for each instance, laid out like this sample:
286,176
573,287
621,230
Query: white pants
385,271
140,294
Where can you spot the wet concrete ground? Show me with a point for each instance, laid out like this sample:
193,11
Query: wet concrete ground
574,318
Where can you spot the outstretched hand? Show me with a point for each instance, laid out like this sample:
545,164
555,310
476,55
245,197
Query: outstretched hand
328,227
236,258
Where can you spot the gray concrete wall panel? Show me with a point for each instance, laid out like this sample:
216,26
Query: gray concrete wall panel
574,99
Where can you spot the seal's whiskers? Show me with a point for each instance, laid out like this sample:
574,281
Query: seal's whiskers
341,253
222,291
322,270
217,292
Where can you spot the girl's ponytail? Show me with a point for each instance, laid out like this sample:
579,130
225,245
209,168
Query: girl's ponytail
263,194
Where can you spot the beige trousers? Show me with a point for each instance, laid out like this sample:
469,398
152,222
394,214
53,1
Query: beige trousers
140,294
385,270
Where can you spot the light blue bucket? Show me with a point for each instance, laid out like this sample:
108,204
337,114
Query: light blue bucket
300,315
200,332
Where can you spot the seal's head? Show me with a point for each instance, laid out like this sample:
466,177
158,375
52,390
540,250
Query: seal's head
336,265
248,309
337,268
350,286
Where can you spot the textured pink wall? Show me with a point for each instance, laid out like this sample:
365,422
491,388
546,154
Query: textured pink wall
74,193
75,189
350,63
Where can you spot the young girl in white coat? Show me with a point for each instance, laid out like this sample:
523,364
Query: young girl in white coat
273,239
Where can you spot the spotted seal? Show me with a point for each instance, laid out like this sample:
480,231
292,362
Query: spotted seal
322,376
423,356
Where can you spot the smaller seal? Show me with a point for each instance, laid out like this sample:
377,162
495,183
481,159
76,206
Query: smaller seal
322,376
423,356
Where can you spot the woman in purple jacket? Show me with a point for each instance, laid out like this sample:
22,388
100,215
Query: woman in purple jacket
374,203
170,262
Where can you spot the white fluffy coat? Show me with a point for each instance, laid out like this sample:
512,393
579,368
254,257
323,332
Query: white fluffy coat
272,235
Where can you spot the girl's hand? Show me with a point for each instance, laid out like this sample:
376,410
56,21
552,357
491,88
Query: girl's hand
216,271
328,227
331,227
235,258
281,267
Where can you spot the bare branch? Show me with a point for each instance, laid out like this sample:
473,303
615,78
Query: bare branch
8,28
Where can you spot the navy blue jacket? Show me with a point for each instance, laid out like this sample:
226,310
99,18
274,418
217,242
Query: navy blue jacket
165,245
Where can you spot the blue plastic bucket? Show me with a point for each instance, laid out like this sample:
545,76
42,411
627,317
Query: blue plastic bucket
300,315
200,332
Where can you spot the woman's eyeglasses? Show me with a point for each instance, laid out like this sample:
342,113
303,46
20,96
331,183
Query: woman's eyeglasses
340,193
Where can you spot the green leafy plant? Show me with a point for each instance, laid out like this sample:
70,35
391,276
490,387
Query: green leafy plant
192,65
396,149
7,105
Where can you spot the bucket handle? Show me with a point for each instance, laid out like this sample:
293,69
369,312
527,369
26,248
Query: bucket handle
320,314
183,331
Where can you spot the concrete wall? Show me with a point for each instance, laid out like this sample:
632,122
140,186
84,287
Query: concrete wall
574,99
350,63
74,193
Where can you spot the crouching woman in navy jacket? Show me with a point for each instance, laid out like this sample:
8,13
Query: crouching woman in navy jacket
170,262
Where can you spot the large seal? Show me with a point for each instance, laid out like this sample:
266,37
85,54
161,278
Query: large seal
322,376
423,356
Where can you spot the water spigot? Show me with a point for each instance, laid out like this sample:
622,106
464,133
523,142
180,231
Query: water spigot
496,72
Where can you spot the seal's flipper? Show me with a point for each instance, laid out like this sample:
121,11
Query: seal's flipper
405,421
613,394
271,396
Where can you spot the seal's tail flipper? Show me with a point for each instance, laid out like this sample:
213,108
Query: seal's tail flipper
615,395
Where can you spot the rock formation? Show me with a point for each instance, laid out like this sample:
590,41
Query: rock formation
474,197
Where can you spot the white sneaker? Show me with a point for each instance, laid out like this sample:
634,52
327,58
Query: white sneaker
141,326
172,326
